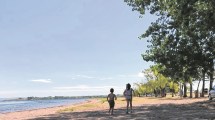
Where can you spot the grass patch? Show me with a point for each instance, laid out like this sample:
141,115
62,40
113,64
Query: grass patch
85,106
79,107
101,103
88,105
103,100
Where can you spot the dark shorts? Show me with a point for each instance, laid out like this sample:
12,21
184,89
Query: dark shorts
111,103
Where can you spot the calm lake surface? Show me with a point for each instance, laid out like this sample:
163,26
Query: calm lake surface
12,106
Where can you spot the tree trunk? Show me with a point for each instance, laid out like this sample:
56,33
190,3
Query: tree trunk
155,92
191,90
161,92
185,90
198,88
211,81
173,90
203,83
211,74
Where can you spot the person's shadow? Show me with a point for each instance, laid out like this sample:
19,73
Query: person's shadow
198,110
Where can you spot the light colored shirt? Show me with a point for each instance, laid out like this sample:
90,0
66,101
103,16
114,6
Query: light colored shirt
128,93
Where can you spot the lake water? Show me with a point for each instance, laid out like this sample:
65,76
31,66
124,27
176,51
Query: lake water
12,106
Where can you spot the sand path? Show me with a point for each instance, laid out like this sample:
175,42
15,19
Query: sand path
144,108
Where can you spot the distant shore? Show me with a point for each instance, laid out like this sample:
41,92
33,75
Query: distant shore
97,109
53,97
29,114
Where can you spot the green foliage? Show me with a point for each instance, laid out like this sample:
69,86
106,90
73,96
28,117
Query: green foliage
182,39
174,86
103,100
155,81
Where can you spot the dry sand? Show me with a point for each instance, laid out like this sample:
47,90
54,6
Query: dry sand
143,108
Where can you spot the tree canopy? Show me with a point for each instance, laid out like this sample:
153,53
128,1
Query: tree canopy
182,38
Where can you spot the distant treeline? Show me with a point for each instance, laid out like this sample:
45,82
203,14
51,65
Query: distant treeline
65,97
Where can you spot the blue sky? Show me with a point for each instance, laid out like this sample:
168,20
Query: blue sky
68,47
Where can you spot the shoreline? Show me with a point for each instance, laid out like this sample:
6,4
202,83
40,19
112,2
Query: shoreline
37,112
93,105
70,104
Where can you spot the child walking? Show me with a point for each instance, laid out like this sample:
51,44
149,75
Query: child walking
128,96
110,98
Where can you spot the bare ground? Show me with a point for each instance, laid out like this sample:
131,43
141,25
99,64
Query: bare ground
144,108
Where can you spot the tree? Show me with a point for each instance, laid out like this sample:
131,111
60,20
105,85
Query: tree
182,38
155,80
174,87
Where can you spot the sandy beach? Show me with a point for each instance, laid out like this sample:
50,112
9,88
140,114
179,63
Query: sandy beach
143,108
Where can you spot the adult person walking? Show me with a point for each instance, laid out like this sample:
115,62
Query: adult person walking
128,96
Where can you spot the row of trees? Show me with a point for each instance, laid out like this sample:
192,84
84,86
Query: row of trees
156,84
182,39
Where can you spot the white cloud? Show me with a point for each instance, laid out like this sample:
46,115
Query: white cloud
81,77
90,77
140,74
116,77
79,90
25,93
87,88
107,78
85,76
42,80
